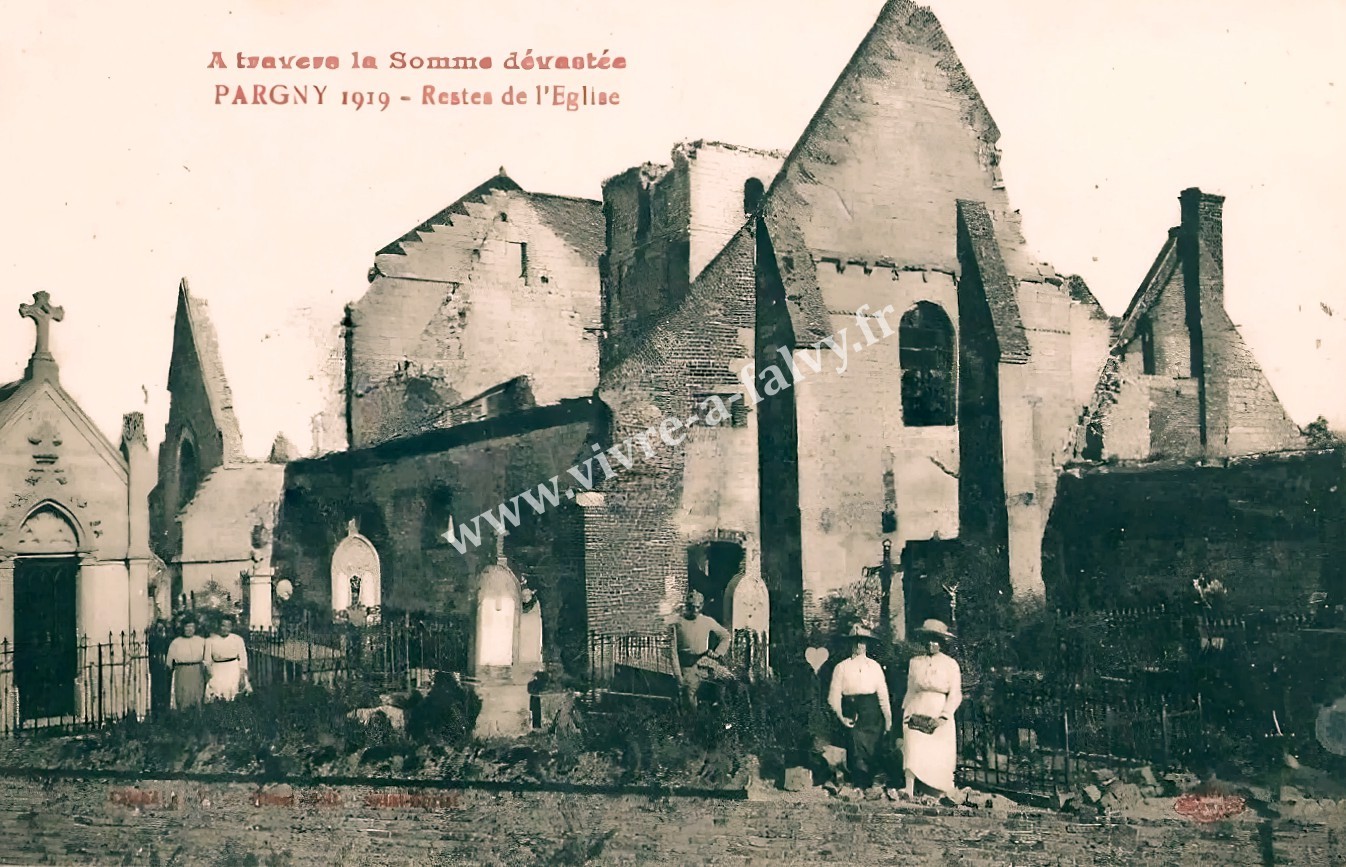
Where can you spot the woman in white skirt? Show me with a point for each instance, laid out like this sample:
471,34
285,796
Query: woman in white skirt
934,691
227,662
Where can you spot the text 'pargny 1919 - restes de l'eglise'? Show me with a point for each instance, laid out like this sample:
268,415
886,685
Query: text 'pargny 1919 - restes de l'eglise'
570,96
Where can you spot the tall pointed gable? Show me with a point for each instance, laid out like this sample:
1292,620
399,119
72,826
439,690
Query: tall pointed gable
500,182
196,368
901,137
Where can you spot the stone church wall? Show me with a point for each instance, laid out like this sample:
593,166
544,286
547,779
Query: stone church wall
401,495
857,458
471,305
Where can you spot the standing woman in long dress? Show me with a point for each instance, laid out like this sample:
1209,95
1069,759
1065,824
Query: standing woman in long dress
935,690
859,697
186,659
227,661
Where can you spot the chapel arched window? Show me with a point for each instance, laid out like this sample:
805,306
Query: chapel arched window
925,351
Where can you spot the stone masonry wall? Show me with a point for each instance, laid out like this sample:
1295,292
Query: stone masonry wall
75,470
694,207
645,269
191,418
77,821
1041,404
857,459
494,295
716,175
402,494
1167,401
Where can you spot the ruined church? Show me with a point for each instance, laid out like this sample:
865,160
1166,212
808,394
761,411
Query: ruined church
978,384
213,510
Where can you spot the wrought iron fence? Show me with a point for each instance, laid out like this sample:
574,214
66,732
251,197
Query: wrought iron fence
1029,735
647,663
1155,685
1090,643
400,651
93,683
90,683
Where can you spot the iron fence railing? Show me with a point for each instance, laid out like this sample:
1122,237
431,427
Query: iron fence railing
1024,734
84,684
637,662
398,652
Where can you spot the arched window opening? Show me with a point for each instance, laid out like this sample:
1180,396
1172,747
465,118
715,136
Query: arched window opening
753,190
925,351
189,473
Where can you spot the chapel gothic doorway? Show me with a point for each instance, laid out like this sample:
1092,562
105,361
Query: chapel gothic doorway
45,635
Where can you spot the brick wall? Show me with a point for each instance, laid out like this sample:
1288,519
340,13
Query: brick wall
65,821
475,299
636,540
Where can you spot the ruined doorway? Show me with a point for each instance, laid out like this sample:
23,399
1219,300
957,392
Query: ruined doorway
710,566
45,636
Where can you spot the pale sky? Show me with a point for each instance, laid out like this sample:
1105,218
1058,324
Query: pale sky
121,176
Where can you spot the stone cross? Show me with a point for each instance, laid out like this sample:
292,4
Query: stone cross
43,313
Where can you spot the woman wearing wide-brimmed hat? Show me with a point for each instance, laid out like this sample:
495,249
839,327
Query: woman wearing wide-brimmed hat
934,691
859,698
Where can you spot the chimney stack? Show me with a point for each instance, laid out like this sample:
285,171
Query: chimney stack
1203,223
1201,248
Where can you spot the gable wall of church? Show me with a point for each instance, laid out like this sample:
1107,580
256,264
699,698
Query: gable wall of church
858,458
494,296
190,417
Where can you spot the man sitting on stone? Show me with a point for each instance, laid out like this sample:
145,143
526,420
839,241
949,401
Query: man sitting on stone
699,660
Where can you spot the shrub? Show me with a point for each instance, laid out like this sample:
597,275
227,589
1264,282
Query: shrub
446,716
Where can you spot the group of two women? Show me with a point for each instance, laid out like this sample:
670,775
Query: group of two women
207,668
859,698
